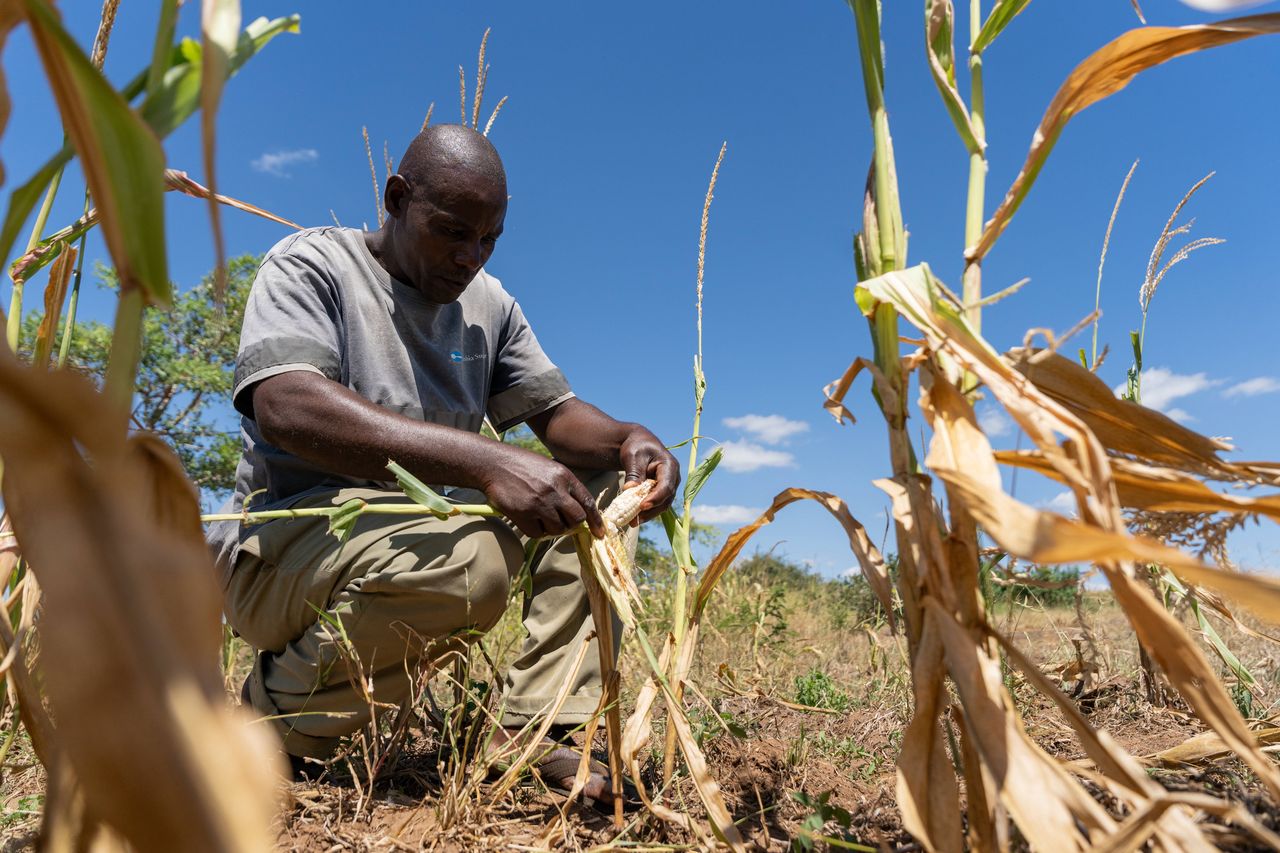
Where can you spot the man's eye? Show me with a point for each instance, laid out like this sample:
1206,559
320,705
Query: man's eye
490,240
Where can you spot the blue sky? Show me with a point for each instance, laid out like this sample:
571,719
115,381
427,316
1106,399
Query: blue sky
614,118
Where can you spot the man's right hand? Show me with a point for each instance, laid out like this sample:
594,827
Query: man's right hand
541,496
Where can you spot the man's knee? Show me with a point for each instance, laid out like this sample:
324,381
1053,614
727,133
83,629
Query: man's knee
465,586
492,557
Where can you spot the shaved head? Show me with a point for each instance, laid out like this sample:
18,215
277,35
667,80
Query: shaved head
447,158
446,207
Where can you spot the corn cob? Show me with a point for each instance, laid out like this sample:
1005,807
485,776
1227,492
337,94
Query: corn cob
609,557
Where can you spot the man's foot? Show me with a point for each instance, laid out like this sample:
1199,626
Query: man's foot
303,770
557,762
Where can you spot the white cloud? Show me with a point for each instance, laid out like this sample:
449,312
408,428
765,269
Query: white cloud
771,429
278,162
994,422
743,456
1221,5
1253,387
725,513
1063,502
1182,416
1161,386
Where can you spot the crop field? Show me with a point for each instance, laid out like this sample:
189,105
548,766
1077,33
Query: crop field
995,675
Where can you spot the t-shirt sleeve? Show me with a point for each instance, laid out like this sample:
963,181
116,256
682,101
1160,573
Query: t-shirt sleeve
525,382
292,321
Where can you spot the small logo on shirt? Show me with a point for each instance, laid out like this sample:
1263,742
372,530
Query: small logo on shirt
458,358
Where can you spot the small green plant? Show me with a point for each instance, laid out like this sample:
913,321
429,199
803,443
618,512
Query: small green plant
818,690
26,808
823,812
707,726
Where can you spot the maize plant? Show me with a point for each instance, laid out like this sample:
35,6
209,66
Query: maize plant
1113,454
124,704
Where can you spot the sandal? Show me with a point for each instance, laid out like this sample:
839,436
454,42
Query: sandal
557,767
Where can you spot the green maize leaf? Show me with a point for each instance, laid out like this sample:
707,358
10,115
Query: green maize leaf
1219,645
698,478
1001,14
179,97
419,492
939,26
165,29
679,539
870,48
1211,634
122,159
343,520
220,28
164,110
24,199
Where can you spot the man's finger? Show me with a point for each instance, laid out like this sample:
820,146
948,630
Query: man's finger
588,505
571,513
667,477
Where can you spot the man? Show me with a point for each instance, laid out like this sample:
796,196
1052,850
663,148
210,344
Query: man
363,347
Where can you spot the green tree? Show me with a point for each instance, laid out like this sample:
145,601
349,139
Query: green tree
188,365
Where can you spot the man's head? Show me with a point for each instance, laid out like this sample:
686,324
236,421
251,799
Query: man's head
446,207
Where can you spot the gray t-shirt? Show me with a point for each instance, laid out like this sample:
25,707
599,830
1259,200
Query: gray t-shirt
321,303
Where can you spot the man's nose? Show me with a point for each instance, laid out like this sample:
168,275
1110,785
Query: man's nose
470,255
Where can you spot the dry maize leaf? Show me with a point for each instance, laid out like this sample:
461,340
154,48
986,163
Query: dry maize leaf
1140,826
1206,747
220,29
926,786
869,559
939,44
1142,486
961,455
1134,786
708,788
47,249
10,15
121,156
637,732
1103,73
130,639
1049,808
1120,425
602,615
54,292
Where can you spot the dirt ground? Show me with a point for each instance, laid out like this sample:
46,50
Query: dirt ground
788,772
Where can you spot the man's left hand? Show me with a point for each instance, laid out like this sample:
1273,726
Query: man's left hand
645,458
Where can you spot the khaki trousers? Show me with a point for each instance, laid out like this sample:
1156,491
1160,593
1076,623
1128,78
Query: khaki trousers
406,590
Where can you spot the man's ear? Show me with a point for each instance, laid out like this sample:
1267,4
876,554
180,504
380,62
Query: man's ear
396,196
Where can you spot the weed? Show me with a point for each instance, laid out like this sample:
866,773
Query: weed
817,690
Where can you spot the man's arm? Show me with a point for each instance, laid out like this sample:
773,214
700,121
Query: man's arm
331,426
579,434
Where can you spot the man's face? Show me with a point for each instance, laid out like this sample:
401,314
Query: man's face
447,235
